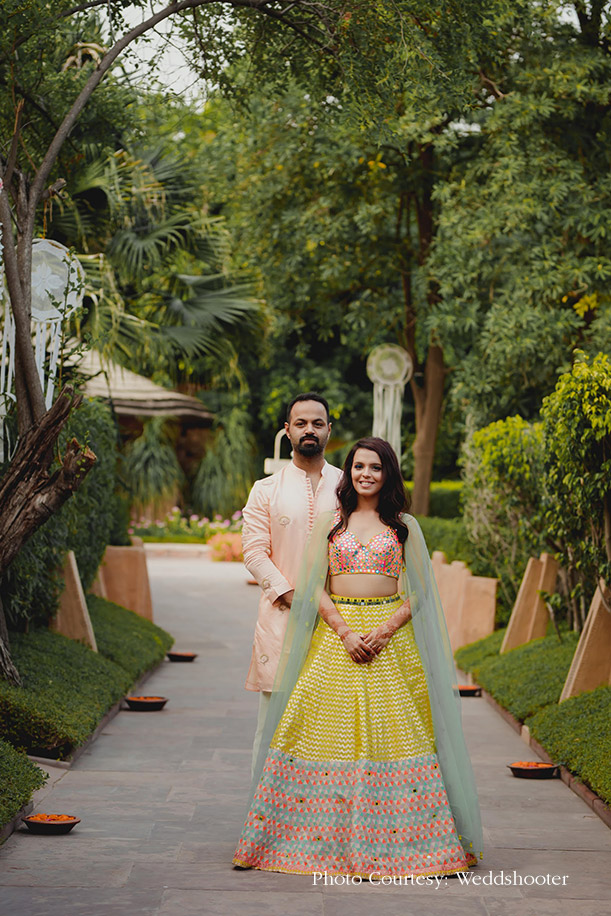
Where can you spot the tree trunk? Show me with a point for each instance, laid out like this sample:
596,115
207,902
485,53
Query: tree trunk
428,397
29,496
7,667
429,402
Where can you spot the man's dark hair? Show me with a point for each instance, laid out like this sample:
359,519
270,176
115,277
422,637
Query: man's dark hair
308,396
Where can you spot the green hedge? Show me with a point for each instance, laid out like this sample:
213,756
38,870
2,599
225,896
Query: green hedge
526,679
450,535
67,688
576,733
471,657
130,641
445,498
19,777
86,523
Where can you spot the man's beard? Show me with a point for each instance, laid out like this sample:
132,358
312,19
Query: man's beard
309,447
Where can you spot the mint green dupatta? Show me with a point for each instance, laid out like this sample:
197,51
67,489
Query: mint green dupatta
418,583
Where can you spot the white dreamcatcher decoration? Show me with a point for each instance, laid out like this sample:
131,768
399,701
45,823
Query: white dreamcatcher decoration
57,290
389,367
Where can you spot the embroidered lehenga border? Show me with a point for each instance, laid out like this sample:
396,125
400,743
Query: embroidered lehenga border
352,783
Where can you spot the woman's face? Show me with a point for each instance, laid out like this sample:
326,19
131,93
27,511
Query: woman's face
367,472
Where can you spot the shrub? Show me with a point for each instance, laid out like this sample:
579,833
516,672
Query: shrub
19,777
576,733
67,688
31,586
445,498
150,467
128,640
530,487
470,657
502,471
227,547
577,429
226,471
185,529
448,535
528,678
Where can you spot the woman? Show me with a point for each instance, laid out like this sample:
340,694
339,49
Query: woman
366,769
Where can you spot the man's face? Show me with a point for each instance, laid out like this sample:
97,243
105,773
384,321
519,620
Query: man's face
308,429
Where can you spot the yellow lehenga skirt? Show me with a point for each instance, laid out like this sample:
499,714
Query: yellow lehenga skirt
351,784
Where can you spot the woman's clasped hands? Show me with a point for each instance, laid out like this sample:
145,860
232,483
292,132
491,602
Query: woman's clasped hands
363,649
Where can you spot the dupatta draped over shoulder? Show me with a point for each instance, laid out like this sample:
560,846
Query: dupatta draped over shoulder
418,584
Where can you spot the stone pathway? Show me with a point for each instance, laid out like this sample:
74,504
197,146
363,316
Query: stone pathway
162,795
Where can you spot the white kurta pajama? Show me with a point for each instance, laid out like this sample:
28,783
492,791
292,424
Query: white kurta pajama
278,519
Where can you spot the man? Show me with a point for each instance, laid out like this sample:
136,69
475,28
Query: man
278,518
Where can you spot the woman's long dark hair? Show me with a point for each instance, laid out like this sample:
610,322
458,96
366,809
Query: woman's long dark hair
393,498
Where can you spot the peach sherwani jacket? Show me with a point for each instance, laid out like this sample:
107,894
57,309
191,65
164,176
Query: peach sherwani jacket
278,518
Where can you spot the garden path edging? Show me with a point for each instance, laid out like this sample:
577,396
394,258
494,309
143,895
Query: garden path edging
592,800
7,829
112,712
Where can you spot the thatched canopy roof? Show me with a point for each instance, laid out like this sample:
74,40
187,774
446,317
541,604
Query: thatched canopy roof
134,395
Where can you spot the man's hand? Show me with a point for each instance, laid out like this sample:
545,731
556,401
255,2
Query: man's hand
283,602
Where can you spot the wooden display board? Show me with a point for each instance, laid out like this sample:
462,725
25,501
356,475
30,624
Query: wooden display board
529,617
72,618
591,665
468,601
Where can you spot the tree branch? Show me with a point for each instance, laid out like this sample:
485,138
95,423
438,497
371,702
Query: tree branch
106,63
11,162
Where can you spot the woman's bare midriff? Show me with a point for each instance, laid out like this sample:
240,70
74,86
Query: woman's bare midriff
362,585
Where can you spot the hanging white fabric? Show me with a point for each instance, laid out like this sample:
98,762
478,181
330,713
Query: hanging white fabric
57,290
389,367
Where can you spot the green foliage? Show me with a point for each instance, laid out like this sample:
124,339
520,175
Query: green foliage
577,429
576,734
450,536
445,498
150,467
471,657
46,56
84,524
226,472
545,486
521,254
528,678
180,529
128,640
527,681
159,295
67,688
502,471
19,777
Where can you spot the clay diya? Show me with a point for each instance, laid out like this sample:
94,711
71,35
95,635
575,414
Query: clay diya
181,656
533,769
51,823
146,704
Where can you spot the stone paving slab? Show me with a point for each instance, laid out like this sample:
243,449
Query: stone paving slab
162,799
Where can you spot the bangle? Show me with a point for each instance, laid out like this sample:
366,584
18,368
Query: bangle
343,635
